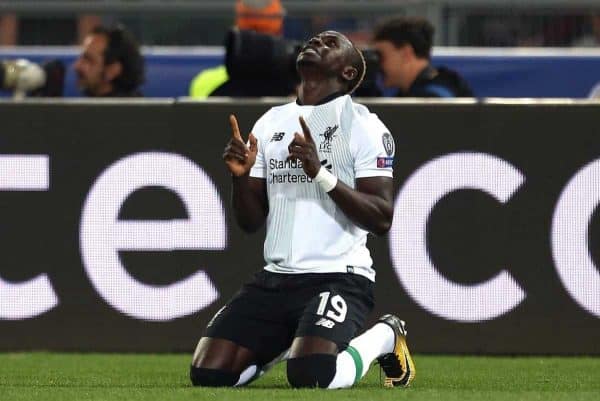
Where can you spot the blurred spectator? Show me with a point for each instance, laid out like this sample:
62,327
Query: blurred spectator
86,24
8,29
110,64
403,45
592,37
261,16
265,16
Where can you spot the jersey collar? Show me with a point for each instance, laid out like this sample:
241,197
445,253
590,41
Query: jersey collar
326,99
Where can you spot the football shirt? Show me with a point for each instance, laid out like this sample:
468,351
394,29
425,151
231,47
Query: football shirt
306,231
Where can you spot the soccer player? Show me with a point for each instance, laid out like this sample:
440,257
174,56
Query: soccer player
320,192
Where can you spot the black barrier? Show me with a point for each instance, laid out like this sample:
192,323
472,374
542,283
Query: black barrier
116,232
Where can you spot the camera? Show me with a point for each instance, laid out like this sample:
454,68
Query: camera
26,78
254,56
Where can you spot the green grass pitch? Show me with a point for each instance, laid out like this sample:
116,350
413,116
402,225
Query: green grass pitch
53,376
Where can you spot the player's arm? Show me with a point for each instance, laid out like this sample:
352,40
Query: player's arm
369,206
249,195
249,202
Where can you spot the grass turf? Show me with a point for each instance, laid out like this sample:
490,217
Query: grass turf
53,376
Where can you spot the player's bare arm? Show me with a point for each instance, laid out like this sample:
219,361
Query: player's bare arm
249,195
370,205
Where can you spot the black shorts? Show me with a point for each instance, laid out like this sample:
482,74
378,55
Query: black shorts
269,312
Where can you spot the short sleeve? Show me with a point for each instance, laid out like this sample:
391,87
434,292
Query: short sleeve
259,170
373,148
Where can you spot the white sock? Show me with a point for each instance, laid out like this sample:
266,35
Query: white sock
378,340
345,373
249,374
252,372
353,363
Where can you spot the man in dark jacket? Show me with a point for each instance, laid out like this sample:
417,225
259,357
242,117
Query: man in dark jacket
403,45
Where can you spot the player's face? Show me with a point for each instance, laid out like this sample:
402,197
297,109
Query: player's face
328,50
89,67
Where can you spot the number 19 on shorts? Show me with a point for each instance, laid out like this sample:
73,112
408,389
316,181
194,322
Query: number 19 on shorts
334,308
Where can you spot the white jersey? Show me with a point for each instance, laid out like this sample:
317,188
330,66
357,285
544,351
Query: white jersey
306,231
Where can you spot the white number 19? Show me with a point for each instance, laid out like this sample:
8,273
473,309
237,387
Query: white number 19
337,303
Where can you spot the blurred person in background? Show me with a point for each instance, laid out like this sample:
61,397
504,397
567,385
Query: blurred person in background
110,64
403,45
261,16
592,37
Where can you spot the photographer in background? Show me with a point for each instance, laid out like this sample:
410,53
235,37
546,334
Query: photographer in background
110,64
403,45
255,40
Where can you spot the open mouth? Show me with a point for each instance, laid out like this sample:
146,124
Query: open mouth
310,49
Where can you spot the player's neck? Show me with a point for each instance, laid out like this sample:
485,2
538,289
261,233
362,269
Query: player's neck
313,92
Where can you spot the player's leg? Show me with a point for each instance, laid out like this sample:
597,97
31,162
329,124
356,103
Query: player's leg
241,339
218,362
314,363
384,342
331,317
327,326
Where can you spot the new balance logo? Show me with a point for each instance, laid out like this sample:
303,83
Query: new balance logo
325,323
278,136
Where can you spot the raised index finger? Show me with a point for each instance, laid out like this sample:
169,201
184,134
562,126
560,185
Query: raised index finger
306,130
235,129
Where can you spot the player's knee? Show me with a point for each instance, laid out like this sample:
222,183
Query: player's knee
212,377
315,370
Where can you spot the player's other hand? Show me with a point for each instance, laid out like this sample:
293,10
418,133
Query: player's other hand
303,148
238,156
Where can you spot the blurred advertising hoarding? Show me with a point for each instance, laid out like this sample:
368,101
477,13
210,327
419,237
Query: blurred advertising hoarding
117,233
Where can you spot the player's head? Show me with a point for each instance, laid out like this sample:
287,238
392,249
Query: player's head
110,61
263,16
333,54
403,44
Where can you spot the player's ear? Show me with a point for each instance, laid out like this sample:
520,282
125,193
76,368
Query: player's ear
349,73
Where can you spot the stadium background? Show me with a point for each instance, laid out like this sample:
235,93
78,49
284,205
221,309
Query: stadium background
522,209
117,233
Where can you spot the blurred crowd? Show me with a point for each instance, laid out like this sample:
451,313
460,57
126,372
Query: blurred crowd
397,50
575,23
